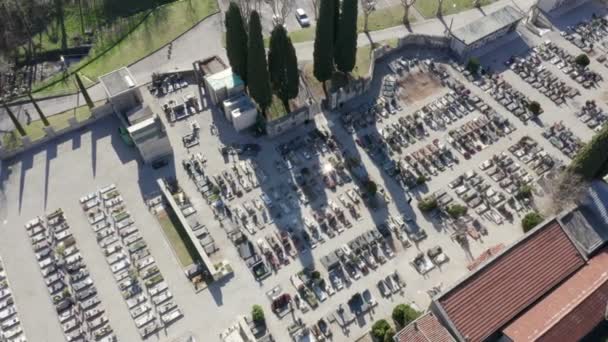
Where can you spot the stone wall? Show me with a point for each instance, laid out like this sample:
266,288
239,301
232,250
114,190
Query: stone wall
291,120
343,95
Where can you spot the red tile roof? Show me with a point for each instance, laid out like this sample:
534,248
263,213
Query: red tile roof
425,329
485,256
497,292
573,309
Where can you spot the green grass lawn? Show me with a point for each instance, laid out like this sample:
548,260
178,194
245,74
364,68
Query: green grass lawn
35,130
276,109
106,26
178,238
378,20
428,8
162,26
383,18
364,56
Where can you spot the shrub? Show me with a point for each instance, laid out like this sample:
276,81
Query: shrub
457,210
582,60
379,329
389,334
257,314
427,204
370,188
403,314
352,162
473,65
534,107
525,191
420,180
531,220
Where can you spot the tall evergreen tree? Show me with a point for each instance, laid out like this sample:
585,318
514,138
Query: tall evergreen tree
84,91
283,66
257,70
346,46
336,22
236,41
323,53
336,19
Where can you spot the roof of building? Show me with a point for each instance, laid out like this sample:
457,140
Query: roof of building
242,102
117,81
139,114
573,309
588,223
483,302
212,65
485,26
485,256
424,329
224,79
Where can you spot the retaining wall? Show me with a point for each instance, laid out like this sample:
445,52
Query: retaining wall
97,113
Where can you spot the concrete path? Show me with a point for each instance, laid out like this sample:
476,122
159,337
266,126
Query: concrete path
206,39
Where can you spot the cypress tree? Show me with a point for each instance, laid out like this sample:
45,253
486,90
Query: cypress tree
293,75
84,91
323,53
283,66
257,71
346,47
236,41
336,20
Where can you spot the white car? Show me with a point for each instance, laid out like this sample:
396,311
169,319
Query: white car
302,17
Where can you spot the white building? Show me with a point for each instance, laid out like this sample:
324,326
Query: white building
144,127
150,138
241,111
121,90
222,85
484,30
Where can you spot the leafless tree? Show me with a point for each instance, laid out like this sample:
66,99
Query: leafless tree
367,6
248,6
315,6
281,9
406,10
439,8
568,189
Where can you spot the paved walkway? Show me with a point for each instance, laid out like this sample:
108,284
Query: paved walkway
206,39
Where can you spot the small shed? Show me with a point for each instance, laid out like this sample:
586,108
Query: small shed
484,30
222,85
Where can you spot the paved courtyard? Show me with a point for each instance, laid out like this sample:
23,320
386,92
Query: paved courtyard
58,174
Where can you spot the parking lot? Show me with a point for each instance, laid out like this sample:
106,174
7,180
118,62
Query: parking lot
302,202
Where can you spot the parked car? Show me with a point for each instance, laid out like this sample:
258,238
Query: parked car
302,17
